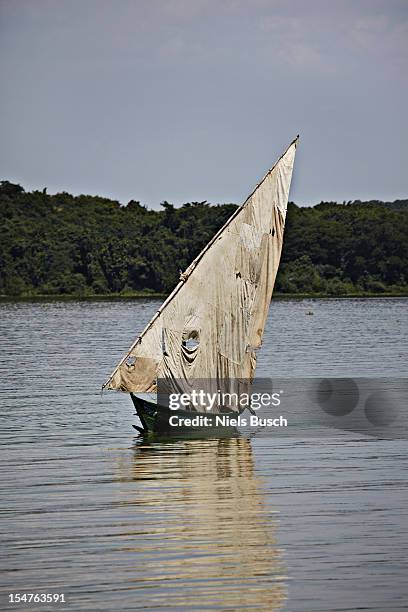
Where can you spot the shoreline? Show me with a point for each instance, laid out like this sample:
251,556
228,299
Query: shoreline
155,296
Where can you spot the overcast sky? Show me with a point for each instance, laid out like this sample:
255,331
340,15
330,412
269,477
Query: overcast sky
194,99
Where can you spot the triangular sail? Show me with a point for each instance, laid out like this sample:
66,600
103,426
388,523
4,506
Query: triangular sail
212,323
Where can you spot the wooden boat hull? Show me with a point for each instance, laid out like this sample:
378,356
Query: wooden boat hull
155,418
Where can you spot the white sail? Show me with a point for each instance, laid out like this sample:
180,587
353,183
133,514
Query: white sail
222,300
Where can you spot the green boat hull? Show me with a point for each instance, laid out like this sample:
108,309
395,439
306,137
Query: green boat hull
155,418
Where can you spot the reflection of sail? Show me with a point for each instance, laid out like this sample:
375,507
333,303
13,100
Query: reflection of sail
206,538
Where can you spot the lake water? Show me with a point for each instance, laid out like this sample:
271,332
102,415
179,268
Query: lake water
116,522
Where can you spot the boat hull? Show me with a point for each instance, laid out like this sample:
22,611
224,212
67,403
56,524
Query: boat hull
156,418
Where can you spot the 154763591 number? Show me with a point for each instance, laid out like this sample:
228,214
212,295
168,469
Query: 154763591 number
27,598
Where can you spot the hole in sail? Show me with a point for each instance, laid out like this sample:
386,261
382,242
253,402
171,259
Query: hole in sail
191,339
164,350
191,343
273,231
130,361
237,274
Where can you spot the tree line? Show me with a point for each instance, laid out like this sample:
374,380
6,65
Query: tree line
89,245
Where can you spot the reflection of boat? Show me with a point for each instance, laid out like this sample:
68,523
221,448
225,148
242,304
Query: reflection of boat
199,535
211,325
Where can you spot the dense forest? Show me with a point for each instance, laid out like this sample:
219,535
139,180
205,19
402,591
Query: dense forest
86,245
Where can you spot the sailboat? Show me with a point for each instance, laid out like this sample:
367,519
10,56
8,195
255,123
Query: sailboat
211,325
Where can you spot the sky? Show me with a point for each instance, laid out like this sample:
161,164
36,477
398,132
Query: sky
190,100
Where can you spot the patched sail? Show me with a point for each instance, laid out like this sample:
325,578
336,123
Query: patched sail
213,322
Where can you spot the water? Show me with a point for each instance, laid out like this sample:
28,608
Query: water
117,523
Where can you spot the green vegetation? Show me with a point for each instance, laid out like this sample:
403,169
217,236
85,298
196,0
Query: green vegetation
64,245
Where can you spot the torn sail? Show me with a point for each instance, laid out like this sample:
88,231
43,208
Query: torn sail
213,322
